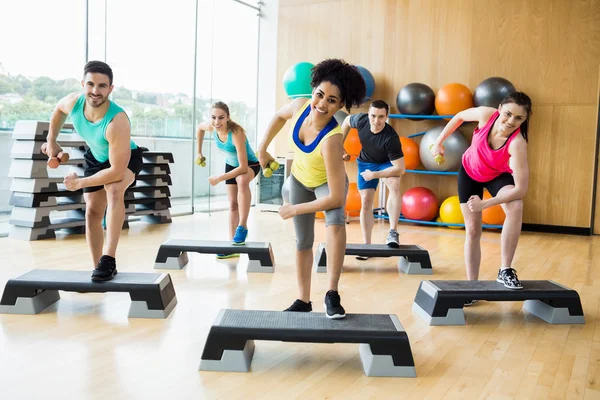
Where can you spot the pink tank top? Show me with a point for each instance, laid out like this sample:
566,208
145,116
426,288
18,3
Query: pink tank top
480,161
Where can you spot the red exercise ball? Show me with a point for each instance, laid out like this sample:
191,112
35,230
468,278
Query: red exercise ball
419,203
410,149
453,98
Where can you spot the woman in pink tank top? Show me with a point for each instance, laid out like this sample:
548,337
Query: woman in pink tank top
496,160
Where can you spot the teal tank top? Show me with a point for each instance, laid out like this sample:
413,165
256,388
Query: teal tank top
95,133
230,151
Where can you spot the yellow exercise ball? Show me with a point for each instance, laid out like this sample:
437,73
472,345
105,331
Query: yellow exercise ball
450,212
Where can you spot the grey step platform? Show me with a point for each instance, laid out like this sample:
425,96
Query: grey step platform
152,216
153,181
40,217
152,295
441,302
413,259
157,157
34,130
46,199
39,168
36,185
155,169
68,225
136,192
383,344
173,253
32,150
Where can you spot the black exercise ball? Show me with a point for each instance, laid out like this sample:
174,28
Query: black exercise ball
491,91
416,99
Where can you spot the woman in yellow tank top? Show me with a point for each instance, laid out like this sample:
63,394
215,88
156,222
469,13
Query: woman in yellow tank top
318,180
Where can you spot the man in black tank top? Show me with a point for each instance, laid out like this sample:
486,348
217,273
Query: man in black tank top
380,157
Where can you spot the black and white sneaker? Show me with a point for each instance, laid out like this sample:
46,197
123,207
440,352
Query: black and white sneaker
508,277
362,258
105,270
300,306
469,303
393,239
333,307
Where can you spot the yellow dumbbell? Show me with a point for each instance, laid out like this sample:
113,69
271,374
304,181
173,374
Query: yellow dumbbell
201,161
439,159
268,171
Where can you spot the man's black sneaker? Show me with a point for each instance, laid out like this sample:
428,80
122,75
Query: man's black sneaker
333,308
300,306
105,270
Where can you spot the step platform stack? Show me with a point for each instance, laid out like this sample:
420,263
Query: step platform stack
41,204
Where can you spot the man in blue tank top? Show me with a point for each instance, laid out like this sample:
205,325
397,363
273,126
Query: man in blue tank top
111,163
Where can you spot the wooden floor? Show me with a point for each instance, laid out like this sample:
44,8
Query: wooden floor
85,347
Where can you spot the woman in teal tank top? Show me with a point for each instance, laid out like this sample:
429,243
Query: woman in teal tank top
241,166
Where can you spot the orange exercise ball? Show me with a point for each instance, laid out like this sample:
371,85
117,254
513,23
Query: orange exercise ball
492,215
352,144
353,202
453,98
410,148
450,212
320,215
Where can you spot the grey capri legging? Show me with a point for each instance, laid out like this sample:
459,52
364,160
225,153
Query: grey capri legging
304,224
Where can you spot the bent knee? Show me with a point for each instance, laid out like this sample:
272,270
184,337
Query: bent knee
514,207
393,184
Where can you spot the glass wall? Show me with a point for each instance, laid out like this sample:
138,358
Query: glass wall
36,70
170,62
229,57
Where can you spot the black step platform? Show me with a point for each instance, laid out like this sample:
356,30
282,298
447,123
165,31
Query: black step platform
384,345
152,295
413,259
441,302
173,253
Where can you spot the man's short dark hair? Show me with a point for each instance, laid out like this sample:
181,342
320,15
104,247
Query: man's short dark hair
99,67
381,104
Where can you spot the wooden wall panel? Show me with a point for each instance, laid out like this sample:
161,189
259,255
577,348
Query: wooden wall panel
547,48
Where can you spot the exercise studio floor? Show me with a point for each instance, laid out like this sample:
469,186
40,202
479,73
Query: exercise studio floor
85,347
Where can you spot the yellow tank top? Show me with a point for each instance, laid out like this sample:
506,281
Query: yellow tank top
309,166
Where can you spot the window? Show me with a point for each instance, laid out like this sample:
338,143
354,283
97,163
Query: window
37,68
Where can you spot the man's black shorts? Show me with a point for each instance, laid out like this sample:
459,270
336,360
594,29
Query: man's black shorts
93,166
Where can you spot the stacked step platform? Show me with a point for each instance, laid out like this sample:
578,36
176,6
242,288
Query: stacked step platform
38,193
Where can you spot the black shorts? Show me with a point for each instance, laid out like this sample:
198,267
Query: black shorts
93,166
255,167
468,186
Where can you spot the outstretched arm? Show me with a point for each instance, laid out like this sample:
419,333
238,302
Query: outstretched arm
277,122
479,114
57,121
202,127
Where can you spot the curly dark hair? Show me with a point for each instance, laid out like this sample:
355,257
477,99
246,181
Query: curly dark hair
343,75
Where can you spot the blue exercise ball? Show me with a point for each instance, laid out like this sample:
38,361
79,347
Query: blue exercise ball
369,81
416,99
492,91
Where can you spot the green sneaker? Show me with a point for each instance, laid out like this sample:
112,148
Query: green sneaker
222,256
